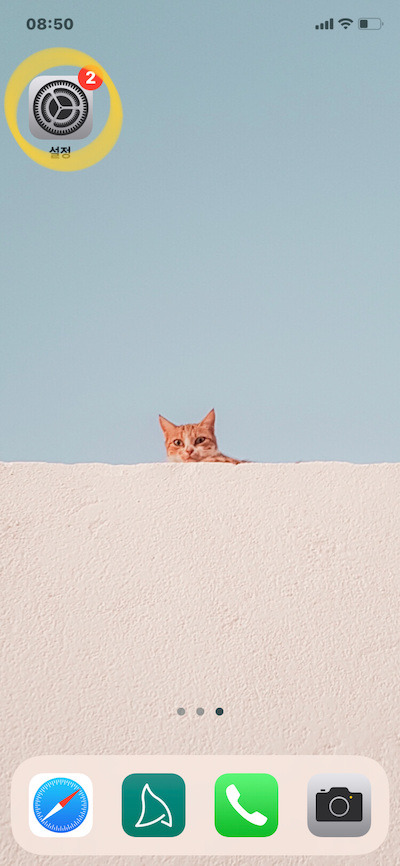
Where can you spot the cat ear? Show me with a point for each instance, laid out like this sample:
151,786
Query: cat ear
166,426
209,420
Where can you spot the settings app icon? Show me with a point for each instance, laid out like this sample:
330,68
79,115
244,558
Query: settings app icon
58,106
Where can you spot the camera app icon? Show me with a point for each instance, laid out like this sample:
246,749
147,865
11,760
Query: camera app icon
339,804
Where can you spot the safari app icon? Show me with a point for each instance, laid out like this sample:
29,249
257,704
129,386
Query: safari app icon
60,804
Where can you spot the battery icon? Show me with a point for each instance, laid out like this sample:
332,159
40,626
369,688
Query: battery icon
370,23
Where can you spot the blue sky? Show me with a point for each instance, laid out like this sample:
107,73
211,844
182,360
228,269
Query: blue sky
239,248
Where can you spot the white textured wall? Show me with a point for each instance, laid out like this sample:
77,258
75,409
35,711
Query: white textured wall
271,590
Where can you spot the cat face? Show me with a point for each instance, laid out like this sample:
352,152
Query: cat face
190,443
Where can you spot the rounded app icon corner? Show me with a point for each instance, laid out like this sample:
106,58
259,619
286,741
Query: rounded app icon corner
60,804
339,805
153,804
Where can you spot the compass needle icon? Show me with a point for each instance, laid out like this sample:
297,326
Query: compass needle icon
61,804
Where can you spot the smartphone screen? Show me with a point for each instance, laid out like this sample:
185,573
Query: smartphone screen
199,436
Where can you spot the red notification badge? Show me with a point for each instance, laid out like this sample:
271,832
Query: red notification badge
89,80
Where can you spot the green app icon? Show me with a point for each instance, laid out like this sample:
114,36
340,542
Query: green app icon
246,804
153,804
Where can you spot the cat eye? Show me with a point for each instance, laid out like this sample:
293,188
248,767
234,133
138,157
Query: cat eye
178,442
199,440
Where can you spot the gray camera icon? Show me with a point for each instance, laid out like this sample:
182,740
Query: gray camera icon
338,804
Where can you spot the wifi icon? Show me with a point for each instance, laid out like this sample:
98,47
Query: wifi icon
345,22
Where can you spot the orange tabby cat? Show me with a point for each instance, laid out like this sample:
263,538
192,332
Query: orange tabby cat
193,443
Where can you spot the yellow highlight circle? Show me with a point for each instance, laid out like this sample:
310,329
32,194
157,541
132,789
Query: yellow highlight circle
35,65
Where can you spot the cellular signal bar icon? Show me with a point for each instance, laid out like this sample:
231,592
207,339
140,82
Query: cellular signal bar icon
327,25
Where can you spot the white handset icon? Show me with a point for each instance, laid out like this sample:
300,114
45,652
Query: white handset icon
253,817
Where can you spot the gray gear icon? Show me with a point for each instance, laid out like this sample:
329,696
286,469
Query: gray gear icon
59,107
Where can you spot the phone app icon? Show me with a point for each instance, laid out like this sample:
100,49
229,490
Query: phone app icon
153,804
60,804
246,804
339,804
